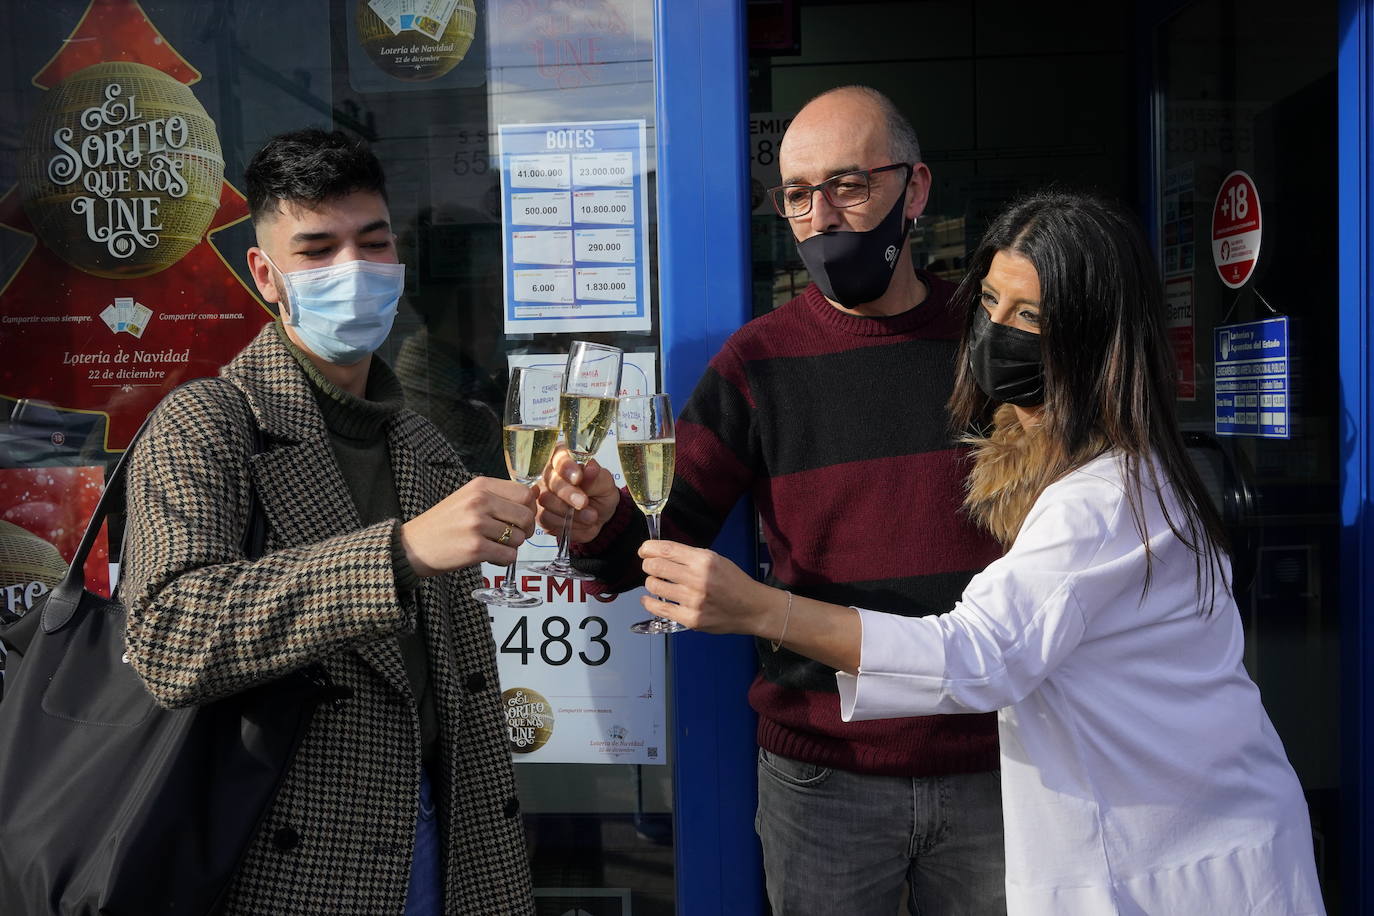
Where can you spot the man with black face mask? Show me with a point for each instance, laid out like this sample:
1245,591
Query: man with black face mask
830,412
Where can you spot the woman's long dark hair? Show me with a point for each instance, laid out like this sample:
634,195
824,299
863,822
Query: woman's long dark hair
1109,370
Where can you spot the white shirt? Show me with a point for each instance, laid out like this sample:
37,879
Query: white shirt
1140,774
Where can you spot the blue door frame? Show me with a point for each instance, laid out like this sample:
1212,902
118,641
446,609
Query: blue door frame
704,294
1355,104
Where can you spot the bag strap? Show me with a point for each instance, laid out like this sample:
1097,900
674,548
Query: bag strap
62,601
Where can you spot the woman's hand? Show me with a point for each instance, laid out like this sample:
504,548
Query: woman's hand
703,590
707,592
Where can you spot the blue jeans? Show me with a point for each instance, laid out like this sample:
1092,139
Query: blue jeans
426,894
838,843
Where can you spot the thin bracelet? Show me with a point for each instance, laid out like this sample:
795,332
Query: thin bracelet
777,643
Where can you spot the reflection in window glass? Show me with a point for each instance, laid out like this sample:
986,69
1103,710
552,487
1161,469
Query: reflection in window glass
122,270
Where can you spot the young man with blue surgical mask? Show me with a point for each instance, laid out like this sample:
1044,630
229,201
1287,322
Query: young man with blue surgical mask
401,797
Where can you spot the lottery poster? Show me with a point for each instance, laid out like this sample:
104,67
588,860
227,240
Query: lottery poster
575,226
577,685
43,514
416,45
113,288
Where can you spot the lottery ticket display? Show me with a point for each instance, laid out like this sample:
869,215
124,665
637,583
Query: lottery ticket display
428,17
575,226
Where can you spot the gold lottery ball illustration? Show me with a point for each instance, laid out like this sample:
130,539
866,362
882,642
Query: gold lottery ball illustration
416,47
529,719
121,170
25,558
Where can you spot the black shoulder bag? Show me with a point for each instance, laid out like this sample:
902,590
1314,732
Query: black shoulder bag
109,803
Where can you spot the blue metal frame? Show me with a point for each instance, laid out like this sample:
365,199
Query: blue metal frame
1149,16
1355,104
704,294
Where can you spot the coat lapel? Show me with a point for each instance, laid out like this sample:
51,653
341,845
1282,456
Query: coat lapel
424,474
303,492
297,478
426,471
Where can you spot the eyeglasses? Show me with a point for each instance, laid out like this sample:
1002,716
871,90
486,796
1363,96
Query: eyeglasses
793,201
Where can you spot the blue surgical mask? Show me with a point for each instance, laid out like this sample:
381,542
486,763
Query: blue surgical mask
343,312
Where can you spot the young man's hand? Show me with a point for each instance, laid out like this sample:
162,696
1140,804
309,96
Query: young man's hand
483,521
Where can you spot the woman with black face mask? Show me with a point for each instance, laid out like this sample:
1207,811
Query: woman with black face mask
1140,773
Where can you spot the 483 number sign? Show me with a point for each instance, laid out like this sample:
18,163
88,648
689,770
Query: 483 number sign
556,644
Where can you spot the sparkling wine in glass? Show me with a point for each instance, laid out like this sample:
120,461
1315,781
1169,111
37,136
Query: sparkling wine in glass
529,435
586,412
647,446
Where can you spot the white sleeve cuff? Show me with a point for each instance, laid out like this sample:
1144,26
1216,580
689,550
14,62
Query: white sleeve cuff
901,669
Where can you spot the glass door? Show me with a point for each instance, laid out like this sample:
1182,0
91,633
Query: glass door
1245,210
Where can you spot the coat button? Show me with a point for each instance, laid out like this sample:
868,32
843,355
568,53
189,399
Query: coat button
512,807
286,839
475,682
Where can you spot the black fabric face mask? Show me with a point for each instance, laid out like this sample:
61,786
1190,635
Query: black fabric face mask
1006,362
853,268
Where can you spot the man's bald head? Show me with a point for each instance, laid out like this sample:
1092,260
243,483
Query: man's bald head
855,135
863,107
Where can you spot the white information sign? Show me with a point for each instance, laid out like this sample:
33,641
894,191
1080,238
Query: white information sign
544,285
541,171
540,210
589,177
617,245
577,685
549,246
602,169
614,283
615,207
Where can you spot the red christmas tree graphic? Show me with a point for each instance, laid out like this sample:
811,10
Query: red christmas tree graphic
192,316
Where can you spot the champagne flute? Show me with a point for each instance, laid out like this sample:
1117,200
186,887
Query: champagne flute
529,435
586,410
647,446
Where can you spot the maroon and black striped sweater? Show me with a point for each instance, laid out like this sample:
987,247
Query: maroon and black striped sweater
836,425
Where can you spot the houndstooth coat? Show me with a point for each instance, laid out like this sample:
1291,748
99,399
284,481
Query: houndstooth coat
204,622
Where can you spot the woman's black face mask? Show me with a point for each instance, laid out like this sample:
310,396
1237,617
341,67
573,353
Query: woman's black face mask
1006,362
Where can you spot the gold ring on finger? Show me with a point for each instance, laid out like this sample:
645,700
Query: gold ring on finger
505,535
